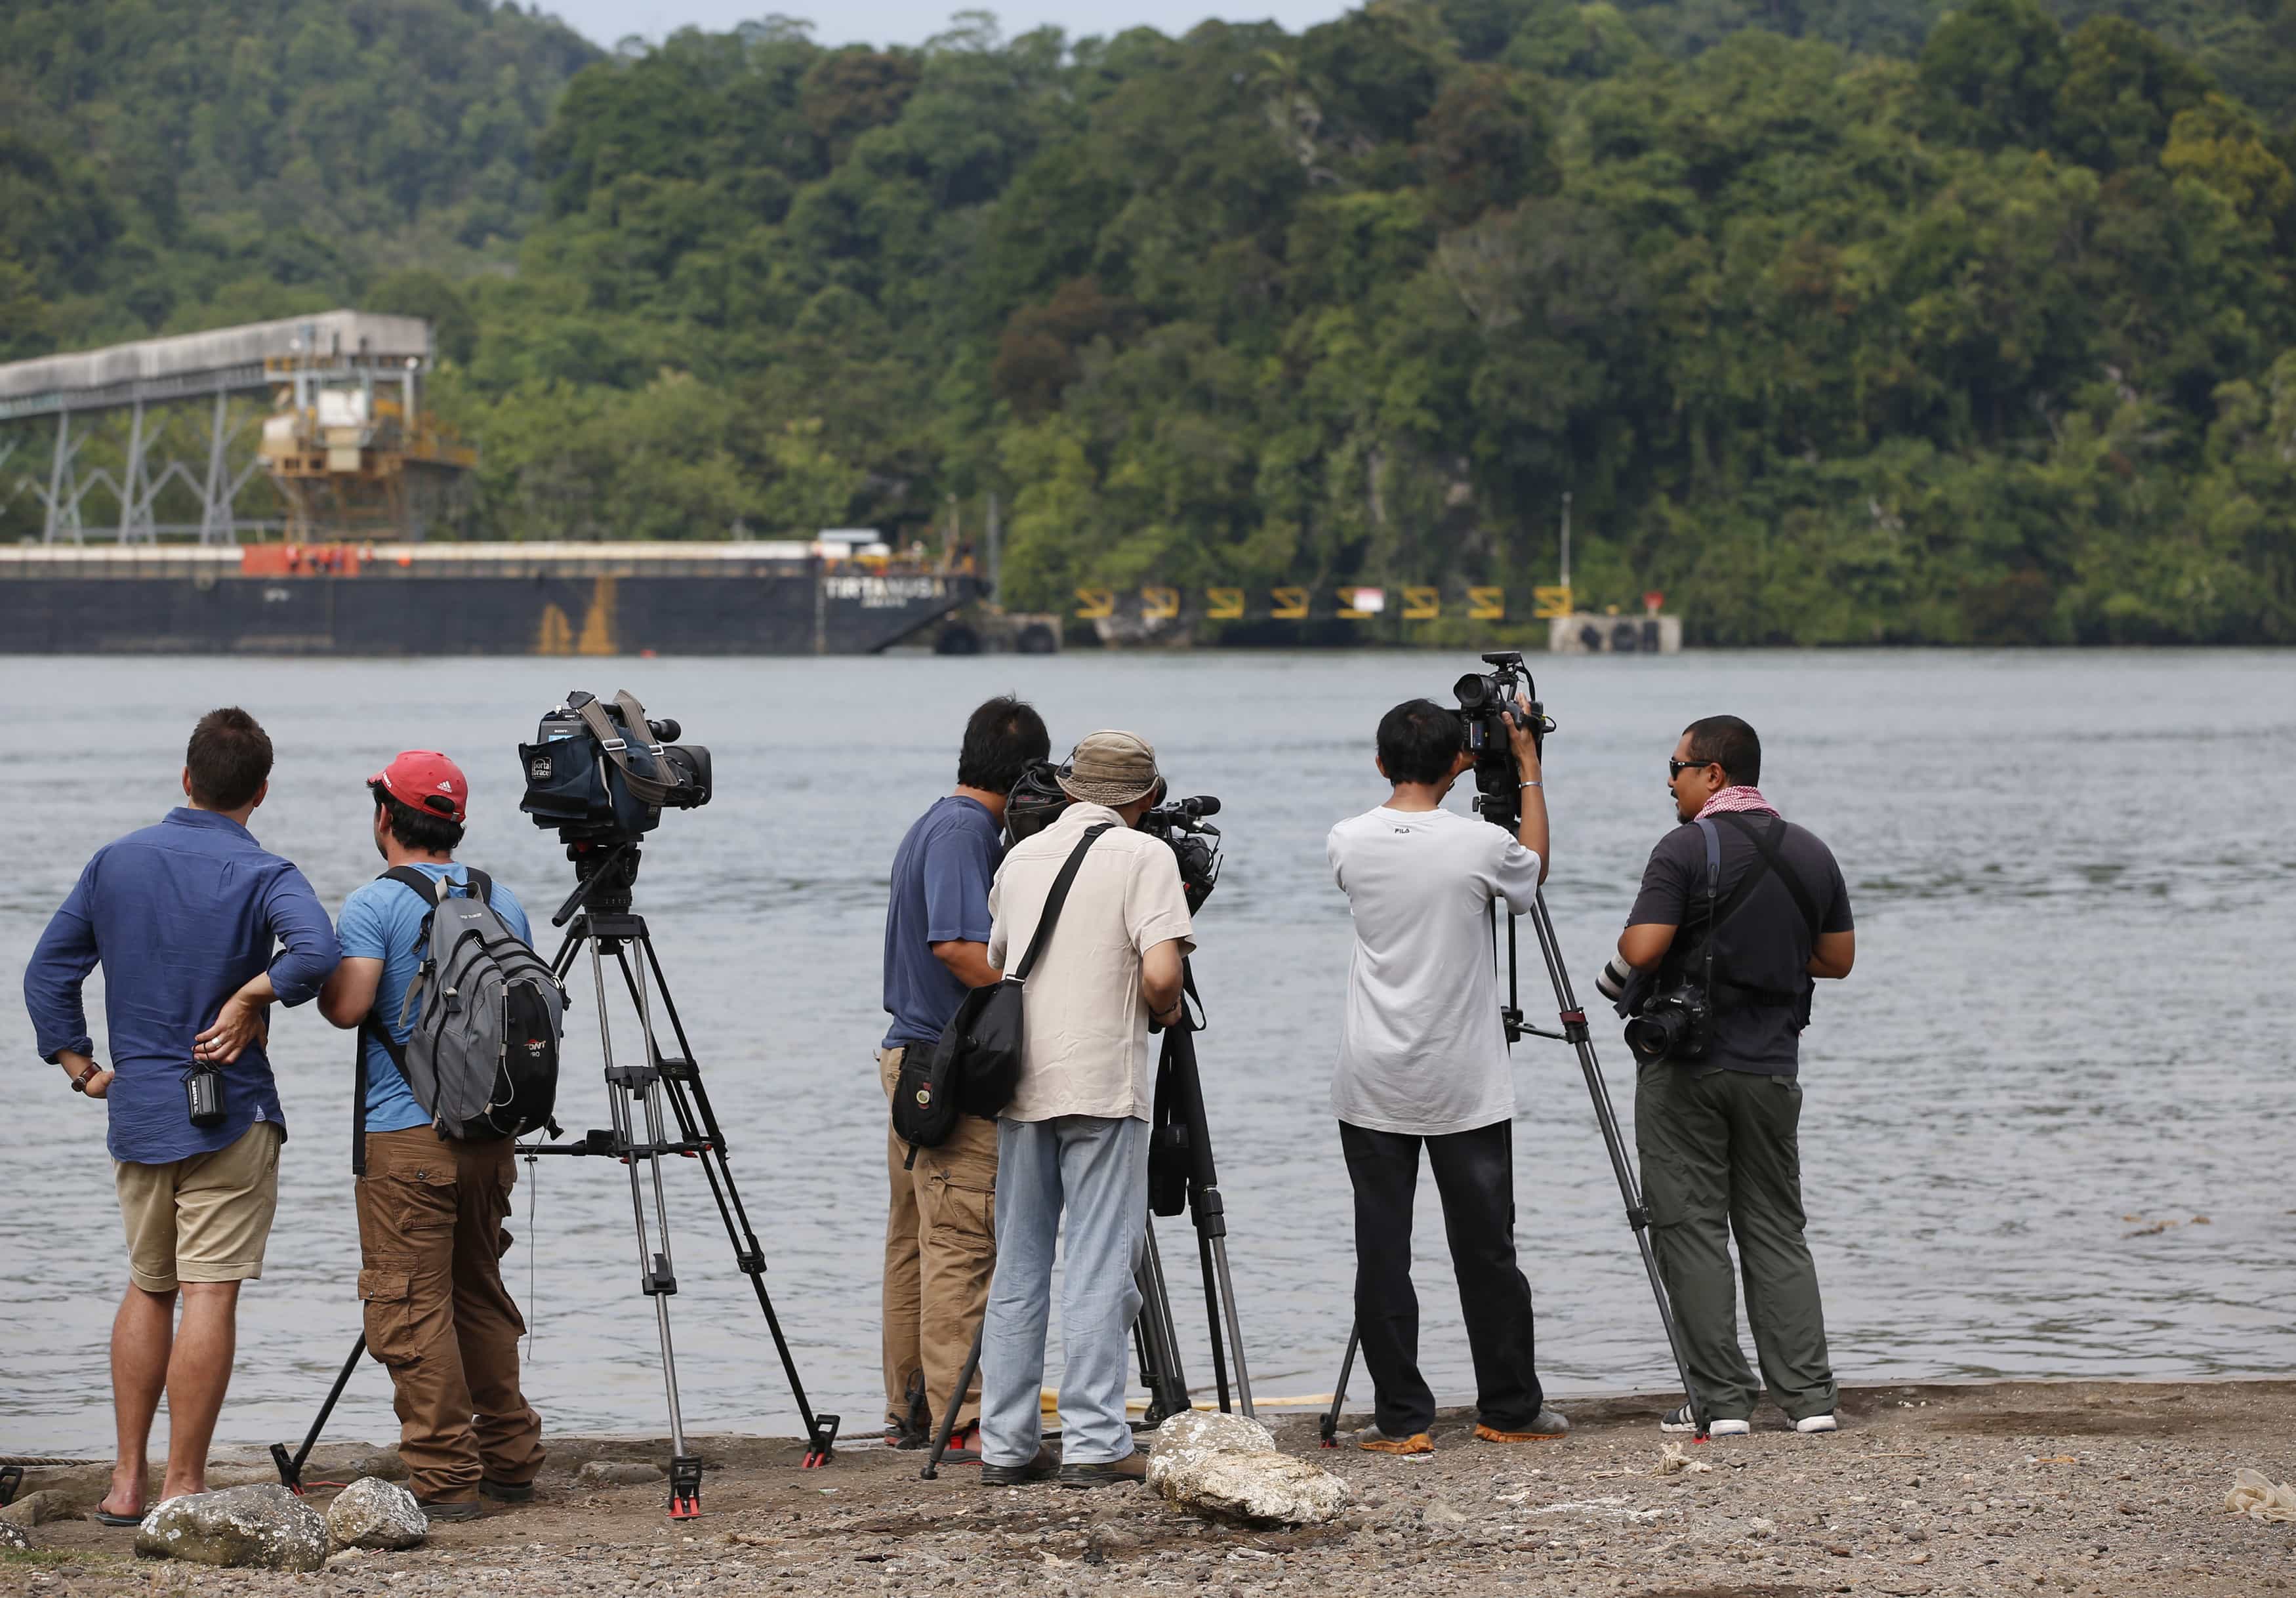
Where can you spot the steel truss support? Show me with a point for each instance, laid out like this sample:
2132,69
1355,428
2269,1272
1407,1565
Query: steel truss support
139,484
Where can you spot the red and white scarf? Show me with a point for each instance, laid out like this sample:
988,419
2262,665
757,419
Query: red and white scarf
1738,797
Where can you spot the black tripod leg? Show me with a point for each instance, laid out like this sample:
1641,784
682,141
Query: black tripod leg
1331,1422
1574,1032
956,1402
1159,1348
1209,1213
291,1466
698,1123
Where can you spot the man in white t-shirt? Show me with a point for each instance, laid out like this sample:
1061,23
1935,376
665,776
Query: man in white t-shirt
1424,1059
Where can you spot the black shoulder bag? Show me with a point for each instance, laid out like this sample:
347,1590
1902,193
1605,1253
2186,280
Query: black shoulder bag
975,1068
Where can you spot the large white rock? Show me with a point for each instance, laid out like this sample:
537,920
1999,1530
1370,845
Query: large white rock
1227,1468
373,1513
265,1527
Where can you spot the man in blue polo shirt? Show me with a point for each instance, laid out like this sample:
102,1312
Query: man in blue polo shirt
183,918
941,1228
431,1210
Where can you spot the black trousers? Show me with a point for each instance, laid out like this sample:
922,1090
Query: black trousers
1475,1174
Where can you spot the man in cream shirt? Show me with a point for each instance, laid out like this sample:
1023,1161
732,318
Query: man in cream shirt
1074,1139
1424,1059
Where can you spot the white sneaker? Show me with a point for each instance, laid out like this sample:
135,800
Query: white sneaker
1808,1423
1681,1420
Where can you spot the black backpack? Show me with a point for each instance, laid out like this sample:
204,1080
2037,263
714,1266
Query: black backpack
975,1067
482,1058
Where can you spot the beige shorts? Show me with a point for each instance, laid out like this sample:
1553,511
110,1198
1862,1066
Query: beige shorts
206,1219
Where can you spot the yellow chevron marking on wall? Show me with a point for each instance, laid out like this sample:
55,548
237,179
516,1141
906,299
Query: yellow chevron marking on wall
1224,604
1160,604
1095,604
1420,604
1486,604
1290,604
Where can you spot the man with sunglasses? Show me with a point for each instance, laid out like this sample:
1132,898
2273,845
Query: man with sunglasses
1716,1133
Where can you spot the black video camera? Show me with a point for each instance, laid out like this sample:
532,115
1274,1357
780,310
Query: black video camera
1193,841
1037,799
602,771
1487,708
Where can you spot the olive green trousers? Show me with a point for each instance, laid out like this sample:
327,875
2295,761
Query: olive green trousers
1721,1158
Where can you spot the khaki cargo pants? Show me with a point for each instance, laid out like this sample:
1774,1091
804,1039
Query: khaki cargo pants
430,1214
941,1250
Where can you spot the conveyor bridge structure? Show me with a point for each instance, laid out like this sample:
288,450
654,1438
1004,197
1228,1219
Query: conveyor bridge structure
338,425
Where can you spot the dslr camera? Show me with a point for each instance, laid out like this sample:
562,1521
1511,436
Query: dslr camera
602,771
1486,709
1037,799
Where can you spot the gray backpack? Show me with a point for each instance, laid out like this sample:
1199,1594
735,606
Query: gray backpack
482,1058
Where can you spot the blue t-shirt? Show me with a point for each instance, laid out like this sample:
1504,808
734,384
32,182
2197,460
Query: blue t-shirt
941,874
384,921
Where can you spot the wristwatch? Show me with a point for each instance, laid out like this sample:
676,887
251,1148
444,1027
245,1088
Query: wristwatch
79,1083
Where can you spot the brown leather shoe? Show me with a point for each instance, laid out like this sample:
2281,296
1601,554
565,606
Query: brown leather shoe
1371,1439
1546,1427
1114,1472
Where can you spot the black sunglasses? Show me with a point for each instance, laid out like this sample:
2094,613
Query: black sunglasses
1674,768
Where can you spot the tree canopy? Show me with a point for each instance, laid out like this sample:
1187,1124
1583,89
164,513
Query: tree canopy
1863,321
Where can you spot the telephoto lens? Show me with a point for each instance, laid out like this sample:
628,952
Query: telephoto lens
1612,983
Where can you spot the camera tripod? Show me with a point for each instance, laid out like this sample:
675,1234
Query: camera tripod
1573,1022
644,1102
1182,1127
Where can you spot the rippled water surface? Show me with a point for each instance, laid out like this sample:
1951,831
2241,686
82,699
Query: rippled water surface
2068,1023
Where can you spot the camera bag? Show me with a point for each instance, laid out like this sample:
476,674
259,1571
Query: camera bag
975,1067
482,1058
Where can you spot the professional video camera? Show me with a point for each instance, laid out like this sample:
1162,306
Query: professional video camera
602,773
1037,799
1487,707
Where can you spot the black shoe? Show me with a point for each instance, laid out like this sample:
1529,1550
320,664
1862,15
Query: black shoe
1115,1472
508,1492
1043,1467
466,1509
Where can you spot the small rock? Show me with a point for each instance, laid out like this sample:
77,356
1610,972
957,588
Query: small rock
266,1527
1440,1513
1838,1550
1108,1542
374,1513
11,1535
616,1472
36,1509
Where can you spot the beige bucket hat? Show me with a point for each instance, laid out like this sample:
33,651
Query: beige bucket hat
1111,768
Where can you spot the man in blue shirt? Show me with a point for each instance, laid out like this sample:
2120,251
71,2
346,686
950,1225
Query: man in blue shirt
940,1232
182,917
430,1209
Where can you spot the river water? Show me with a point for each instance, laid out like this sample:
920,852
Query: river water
2074,892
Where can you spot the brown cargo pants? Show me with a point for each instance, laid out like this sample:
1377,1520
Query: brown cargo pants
941,1250
430,1214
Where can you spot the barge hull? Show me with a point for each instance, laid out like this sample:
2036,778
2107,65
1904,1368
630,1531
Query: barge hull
468,613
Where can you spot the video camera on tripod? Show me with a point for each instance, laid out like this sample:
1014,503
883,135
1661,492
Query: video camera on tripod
602,773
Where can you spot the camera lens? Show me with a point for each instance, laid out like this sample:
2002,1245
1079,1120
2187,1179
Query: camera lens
1470,691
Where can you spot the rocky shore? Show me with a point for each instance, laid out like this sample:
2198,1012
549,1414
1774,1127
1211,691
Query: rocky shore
2078,1488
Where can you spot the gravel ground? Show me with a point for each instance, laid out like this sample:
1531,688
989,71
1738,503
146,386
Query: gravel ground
2080,1488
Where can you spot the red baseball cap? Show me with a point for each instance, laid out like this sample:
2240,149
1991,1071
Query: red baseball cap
427,781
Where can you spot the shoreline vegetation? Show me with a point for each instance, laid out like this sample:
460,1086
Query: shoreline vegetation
1893,323
2060,1488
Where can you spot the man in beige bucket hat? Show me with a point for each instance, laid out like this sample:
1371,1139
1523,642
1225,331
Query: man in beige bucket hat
1073,1143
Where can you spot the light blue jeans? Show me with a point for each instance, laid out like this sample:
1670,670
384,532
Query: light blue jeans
1096,1169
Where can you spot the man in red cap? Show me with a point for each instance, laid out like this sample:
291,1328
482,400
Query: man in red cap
430,1209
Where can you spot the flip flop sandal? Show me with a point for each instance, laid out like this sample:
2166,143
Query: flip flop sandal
105,1517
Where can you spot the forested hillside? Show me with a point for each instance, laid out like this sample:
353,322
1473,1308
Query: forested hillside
1923,326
